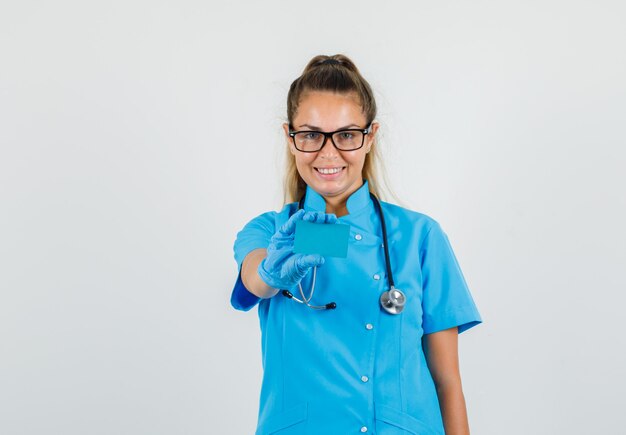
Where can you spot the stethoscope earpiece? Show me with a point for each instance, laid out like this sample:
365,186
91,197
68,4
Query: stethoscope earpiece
305,300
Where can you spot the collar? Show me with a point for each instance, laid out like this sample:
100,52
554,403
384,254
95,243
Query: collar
356,202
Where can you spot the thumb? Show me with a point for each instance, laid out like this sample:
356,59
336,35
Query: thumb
289,227
307,261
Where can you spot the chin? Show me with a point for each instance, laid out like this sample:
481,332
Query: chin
328,189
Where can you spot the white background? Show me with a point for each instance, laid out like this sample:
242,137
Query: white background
138,137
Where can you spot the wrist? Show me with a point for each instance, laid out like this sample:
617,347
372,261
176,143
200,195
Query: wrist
266,277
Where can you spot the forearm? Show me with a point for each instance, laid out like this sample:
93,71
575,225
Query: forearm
453,410
250,276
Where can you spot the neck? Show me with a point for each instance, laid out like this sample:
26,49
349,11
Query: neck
338,209
338,205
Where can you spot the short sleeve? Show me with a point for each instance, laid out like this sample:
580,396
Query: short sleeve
255,234
446,299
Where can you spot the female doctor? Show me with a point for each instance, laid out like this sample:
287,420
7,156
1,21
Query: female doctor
366,343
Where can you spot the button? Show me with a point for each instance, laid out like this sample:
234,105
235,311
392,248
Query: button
365,378
376,276
364,429
369,326
358,236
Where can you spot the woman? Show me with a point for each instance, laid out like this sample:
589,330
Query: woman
370,361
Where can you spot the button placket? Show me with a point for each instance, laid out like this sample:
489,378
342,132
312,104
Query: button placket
368,240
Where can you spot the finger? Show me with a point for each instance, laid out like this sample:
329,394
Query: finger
331,219
290,226
324,218
310,216
317,217
311,260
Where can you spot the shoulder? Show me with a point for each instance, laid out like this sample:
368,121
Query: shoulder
269,220
258,231
405,219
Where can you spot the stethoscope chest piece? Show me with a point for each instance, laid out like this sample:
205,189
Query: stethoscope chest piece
393,301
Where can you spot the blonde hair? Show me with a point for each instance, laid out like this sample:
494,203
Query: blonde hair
335,73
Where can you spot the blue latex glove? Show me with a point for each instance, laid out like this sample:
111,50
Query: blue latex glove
282,268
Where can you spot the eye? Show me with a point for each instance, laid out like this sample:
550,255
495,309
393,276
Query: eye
346,135
311,135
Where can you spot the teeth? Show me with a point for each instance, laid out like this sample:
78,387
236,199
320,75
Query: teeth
329,171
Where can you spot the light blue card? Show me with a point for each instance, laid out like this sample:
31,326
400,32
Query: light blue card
329,240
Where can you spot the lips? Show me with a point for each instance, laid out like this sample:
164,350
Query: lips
329,171
330,174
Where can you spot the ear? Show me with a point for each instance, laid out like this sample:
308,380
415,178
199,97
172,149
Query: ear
371,136
288,140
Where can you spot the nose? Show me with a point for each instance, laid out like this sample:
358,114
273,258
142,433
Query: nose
328,149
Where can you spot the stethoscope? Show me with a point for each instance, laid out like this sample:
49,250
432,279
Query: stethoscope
392,300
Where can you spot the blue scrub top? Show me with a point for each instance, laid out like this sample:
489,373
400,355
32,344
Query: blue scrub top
357,369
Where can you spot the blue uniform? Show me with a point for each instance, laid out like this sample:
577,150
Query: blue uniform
357,369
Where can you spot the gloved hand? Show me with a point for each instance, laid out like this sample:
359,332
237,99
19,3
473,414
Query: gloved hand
282,268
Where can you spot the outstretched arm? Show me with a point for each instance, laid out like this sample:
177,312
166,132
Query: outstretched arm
250,276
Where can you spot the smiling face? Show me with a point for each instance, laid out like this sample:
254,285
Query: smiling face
332,173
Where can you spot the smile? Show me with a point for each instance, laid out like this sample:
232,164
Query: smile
328,171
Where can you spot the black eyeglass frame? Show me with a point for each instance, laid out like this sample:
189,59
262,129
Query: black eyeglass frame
330,134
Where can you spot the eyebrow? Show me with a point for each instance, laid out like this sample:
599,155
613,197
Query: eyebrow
313,127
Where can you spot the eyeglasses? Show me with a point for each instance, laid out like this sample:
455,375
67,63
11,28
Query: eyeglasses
311,141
